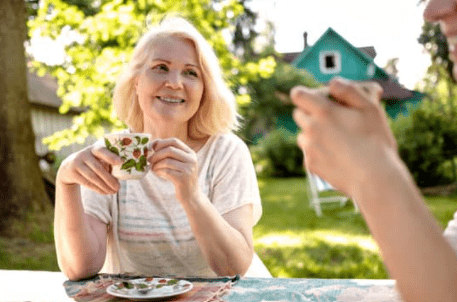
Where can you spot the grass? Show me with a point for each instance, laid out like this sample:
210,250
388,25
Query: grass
294,243
291,240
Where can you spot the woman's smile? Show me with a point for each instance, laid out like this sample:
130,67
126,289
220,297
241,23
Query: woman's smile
170,100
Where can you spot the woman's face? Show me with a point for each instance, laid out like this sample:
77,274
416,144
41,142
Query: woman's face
170,88
445,12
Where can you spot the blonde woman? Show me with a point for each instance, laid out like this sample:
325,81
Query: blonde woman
193,213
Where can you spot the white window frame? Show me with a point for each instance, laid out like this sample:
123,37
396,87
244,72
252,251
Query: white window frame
337,60
370,70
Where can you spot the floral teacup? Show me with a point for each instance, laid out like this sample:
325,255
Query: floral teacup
133,148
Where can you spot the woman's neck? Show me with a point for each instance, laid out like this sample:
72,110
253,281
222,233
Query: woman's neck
167,131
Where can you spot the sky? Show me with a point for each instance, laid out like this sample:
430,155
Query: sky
390,26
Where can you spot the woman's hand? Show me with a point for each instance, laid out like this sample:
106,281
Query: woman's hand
91,167
345,138
175,161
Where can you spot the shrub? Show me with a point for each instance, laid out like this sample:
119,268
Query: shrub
278,155
426,146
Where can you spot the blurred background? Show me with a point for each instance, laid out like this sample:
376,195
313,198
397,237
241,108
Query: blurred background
74,50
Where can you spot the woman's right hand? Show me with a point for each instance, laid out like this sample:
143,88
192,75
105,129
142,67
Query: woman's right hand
91,168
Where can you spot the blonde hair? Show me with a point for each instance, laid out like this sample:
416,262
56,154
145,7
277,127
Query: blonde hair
217,112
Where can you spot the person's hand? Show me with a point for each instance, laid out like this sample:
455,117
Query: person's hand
345,138
175,161
91,168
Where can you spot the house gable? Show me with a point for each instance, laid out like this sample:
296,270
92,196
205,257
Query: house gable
332,55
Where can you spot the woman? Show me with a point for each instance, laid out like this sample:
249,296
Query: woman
349,144
193,213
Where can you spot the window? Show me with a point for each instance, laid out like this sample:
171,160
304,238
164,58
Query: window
330,62
370,70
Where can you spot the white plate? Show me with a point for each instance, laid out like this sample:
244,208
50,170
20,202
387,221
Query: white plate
154,288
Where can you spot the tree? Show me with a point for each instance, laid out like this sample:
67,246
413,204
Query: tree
436,45
271,107
22,192
103,37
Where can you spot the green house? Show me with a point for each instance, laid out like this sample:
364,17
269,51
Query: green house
332,55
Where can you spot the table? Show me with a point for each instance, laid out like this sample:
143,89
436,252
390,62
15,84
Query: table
16,285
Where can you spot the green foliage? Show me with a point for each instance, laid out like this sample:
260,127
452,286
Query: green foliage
427,139
271,106
102,38
426,145
436,45
277,154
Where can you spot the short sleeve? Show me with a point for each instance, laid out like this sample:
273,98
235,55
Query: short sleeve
97,205
234,182
450,233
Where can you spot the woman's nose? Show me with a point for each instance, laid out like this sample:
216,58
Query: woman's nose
174,80
438,9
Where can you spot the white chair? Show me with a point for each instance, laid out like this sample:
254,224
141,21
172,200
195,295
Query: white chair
317,186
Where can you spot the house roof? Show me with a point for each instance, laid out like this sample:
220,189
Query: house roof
289,57
369,51
42,90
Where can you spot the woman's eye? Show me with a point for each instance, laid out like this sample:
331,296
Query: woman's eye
162,67
191,73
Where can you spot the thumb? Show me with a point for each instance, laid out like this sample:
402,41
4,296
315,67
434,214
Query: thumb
355,94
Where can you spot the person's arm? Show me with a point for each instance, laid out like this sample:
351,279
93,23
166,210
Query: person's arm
349,144
80,238
413,248
225,240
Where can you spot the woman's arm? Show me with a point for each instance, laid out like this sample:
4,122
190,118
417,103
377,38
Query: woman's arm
225,240
80,238
349,144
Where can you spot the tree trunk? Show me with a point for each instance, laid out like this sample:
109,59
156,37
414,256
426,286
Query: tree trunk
22,194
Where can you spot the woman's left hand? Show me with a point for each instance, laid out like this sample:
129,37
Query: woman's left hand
175,161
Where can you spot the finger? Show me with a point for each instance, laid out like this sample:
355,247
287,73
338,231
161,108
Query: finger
169,164
353,94
168,174
372,89
311,101
301,141
171,152
103,173
88,178
91,179
301,118
104,154
174,142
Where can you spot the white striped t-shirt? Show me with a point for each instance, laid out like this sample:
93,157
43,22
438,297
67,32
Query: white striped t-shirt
149,232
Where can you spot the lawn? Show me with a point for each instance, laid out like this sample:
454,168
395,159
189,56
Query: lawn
290,239
293,242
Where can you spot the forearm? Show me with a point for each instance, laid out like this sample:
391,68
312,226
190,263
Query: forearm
225,248
78,250
411,242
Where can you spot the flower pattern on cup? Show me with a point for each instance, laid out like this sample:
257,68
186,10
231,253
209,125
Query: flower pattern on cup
133,151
